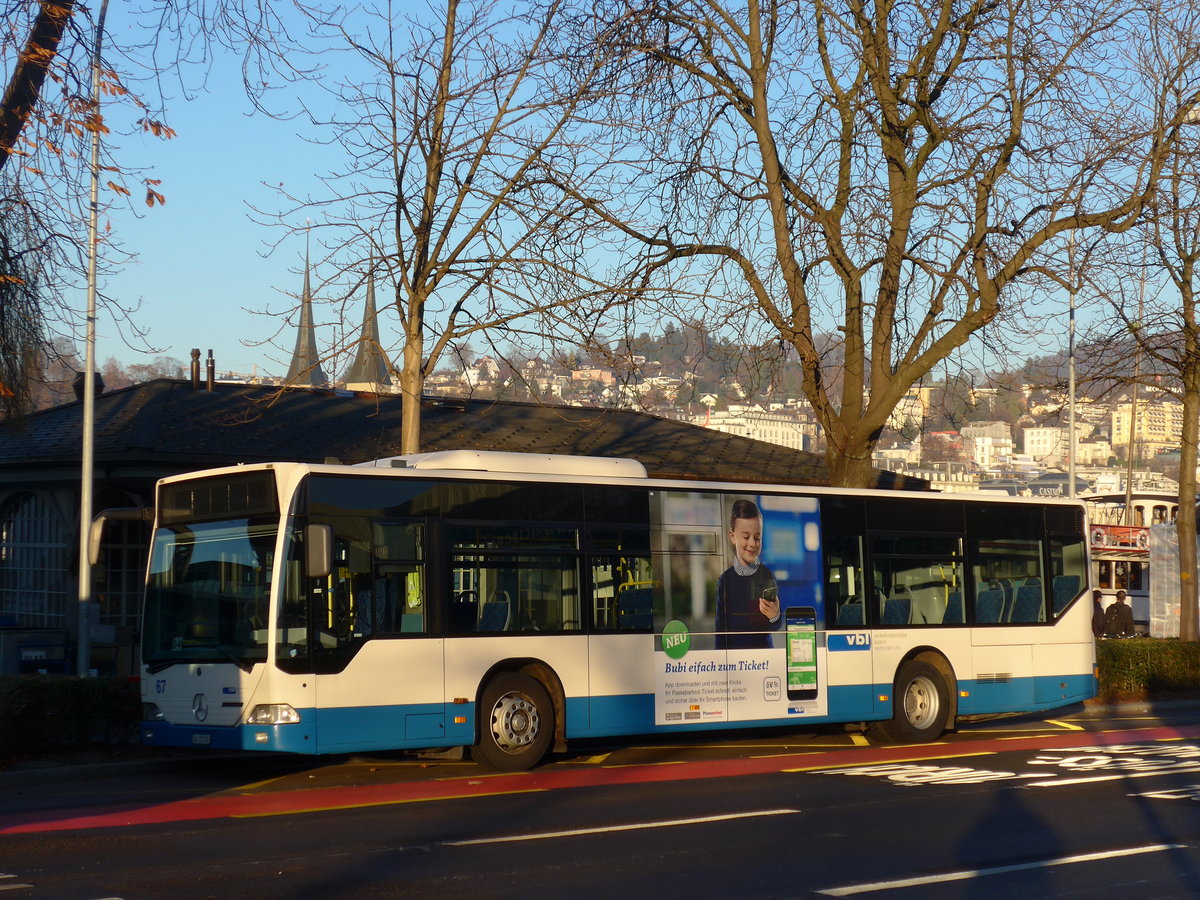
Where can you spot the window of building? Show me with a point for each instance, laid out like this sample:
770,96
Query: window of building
34,579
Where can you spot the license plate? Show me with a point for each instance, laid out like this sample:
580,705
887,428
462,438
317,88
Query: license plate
202,739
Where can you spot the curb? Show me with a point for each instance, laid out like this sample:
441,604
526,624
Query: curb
49,771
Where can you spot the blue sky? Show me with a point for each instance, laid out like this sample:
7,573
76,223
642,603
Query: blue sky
202,262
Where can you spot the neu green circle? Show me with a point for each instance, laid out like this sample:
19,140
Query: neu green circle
675,639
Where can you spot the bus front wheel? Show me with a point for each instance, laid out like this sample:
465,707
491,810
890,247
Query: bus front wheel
920,705
516,723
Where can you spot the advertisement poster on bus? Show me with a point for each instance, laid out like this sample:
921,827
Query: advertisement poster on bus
739,615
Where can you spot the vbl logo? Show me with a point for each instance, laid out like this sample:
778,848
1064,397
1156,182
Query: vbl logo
860,640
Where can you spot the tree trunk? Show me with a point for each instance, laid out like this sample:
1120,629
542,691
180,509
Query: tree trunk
25,86
1185,523
412,386
850,465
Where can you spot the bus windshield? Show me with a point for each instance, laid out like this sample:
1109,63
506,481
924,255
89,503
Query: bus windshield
208,592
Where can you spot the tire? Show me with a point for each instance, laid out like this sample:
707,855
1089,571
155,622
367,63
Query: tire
516,723
920,705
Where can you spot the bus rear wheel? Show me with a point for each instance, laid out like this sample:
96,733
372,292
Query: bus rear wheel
920,705
516,723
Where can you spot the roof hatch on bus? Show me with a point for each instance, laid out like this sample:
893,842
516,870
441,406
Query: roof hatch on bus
517,463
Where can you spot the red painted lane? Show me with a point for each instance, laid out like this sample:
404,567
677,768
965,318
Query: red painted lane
548,779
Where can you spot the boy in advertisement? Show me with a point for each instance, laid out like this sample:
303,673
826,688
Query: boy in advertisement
747,594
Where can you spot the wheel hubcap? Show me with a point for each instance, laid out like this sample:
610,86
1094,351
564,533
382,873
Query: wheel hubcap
515,722
921,703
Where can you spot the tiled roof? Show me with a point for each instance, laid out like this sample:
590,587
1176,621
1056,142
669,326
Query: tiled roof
167,422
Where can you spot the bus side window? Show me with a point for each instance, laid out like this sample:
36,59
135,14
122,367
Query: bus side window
622,583
397,592
399,599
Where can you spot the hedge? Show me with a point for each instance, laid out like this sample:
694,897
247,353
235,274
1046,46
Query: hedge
40,713
1147,668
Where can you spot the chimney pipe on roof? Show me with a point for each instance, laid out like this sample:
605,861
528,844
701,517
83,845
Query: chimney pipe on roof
77,384
195,368
211,372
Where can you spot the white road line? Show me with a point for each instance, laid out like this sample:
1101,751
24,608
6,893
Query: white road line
609,829
1120,776
995,870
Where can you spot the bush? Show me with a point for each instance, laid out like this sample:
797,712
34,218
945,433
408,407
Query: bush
1147,668
54,712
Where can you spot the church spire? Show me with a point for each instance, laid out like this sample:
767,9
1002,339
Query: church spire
369,371
306,361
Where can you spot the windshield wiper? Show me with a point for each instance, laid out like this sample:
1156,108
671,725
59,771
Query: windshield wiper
246,665
241,662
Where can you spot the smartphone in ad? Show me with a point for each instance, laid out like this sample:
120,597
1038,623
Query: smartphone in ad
800,624
772,594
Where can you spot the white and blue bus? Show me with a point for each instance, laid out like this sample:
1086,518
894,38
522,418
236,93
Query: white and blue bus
511,602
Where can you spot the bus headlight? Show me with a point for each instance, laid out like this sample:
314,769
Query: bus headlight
151,713
273,714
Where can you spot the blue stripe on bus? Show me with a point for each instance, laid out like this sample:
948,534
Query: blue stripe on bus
1023,694
351,729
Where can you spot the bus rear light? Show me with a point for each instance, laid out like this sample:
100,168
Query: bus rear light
273,714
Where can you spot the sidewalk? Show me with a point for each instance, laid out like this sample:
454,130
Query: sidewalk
1177,706
104,761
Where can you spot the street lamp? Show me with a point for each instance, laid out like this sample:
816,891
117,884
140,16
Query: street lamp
83,656
1071,366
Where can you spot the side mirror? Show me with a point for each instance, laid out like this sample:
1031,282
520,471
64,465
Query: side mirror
318,550
122,514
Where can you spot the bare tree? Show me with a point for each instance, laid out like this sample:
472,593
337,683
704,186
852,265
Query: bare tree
900,172
1154,316
47,117
1176,240
451,116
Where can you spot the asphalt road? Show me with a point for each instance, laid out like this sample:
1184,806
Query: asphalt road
1096,804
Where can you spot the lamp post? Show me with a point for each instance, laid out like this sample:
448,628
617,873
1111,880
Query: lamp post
1071,366
84,650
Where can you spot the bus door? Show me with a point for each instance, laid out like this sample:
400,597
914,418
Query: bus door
379,677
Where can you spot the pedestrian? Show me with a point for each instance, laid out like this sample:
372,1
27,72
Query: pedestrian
1118,618
1097,614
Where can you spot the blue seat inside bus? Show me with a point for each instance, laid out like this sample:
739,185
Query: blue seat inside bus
635,609
496,613
1028,605
989,605
896,611
850,614
1065,587
954,609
